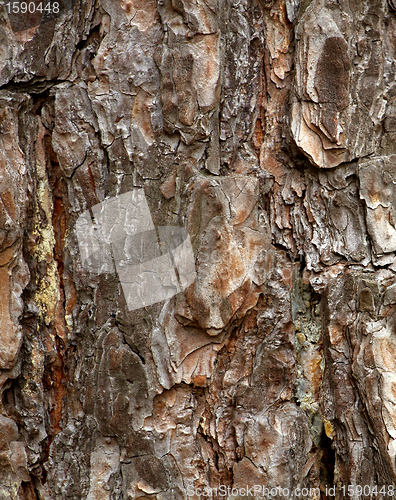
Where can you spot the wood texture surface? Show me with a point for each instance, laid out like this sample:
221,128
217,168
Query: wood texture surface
266,129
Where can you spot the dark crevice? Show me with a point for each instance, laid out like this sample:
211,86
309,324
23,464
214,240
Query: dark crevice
326,462
91,42
35,86
39,100
61,209
136,351
28,491
293,256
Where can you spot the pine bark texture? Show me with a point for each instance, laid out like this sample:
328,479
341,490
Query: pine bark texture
266,128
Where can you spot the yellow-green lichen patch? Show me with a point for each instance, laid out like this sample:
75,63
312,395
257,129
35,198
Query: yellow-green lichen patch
47,292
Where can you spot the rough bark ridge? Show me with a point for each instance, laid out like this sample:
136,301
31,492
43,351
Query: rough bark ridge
265,127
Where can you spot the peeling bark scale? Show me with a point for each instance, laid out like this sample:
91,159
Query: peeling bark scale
197,249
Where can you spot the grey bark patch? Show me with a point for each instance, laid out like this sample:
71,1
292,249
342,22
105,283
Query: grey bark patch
36,14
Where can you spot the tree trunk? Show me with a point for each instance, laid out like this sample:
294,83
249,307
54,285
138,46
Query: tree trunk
198,236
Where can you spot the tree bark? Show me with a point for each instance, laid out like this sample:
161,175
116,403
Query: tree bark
197,249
